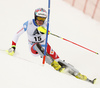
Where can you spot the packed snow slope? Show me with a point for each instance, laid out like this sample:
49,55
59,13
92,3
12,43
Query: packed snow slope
25,71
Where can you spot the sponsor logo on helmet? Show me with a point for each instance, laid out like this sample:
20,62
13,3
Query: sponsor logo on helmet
41,14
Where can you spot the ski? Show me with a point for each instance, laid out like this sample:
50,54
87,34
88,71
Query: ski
92,81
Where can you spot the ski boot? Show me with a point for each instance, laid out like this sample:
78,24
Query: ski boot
57,66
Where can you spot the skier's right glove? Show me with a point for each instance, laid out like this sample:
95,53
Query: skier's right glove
11,50
57,66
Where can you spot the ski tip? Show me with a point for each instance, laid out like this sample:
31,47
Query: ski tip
94,81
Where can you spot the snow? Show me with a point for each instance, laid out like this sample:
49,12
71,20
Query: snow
25,71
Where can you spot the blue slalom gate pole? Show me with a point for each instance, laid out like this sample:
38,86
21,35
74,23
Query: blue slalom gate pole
47,32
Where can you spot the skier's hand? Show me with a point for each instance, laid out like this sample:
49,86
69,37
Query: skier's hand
11,50
43,30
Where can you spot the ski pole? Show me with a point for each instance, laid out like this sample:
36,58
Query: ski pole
74,43
42,29
46,32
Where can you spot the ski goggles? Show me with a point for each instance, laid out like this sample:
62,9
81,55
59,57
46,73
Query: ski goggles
41,19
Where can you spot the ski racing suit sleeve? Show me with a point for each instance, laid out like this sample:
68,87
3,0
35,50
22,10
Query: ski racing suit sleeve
20,32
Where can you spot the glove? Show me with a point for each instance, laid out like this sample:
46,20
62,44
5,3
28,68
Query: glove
43,30
11,50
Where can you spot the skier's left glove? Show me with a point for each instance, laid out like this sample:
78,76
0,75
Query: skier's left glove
43,30
11,50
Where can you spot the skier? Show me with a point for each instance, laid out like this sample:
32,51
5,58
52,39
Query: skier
36,41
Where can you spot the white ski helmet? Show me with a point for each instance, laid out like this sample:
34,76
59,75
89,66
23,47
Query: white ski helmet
40,12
